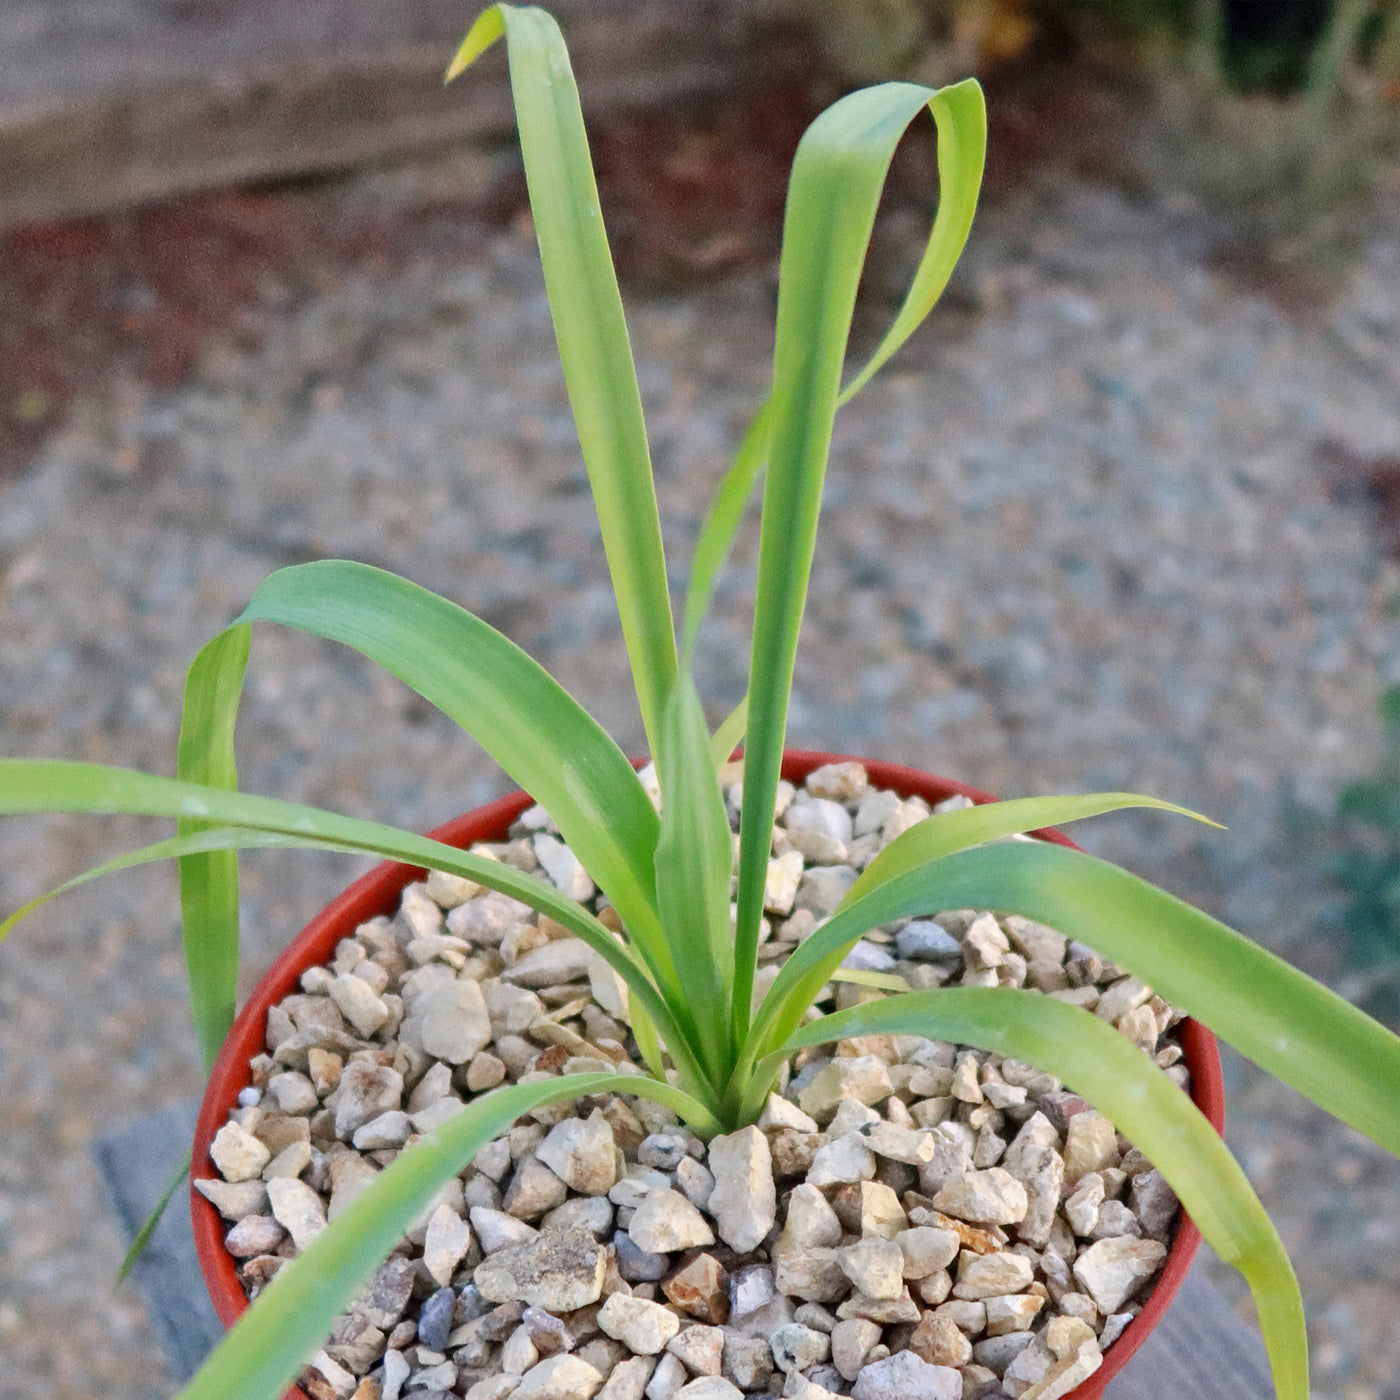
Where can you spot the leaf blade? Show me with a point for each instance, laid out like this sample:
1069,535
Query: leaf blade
591,330
209,880
1273,1014
837,177
528,723
694,857
46,785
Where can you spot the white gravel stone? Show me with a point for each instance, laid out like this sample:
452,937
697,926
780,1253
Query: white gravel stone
559,1270
701,1348
447,1241
991,1275
1112,1270
779,1112
366,1090
563,960
875,1266
744,1200
666,1222
582,1153
297,1208
640,1325
709,1388
905,1376
359,1004
990,1197
234,1200
563,867
926,1250
238,1154
559,1378
846,1160
455,1023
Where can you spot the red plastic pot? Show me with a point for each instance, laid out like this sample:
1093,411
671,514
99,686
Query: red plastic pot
378,893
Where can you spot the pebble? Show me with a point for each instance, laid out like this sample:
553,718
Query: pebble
582,1153
234,1200
699,1289
435,1319
564,960
366,1090
744,1199
709,1388
905,1376
559,1378
558,1271
666,1222
297,1208
984,1276
990,1197
238,1154
875,1266
642,1326
797,1348
848,1159
1112,1270
455,1022
445,1245
700,1348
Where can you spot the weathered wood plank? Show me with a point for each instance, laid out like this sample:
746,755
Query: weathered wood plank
165,98
1200,1350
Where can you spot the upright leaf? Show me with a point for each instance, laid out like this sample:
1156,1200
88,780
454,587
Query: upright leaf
592,332
694,858
961,116
209,880
835,187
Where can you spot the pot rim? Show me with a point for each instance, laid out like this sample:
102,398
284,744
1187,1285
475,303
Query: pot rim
377,892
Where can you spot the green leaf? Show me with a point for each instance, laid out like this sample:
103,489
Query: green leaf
943,833
730,734
837,177
1283,1021
510,704
722,522
938,835
143,1235
592,332
293,1316
1141,1102
209,881
694,859
33,785
961,116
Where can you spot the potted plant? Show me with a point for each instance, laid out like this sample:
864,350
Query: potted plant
688,964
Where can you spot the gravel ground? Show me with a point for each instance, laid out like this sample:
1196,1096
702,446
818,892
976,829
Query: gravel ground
1080,536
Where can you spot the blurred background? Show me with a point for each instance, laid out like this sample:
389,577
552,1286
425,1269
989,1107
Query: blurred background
1124,515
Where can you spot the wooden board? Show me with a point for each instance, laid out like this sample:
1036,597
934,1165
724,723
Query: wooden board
108,104
1200,1350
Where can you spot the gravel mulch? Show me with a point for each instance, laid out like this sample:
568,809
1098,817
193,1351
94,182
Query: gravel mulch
1081,536
909,1219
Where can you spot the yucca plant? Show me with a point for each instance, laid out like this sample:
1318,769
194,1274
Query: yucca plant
687,959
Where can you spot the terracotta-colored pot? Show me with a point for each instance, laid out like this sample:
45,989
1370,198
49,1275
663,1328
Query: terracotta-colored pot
378,893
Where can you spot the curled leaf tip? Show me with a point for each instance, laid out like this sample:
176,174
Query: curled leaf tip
489,27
